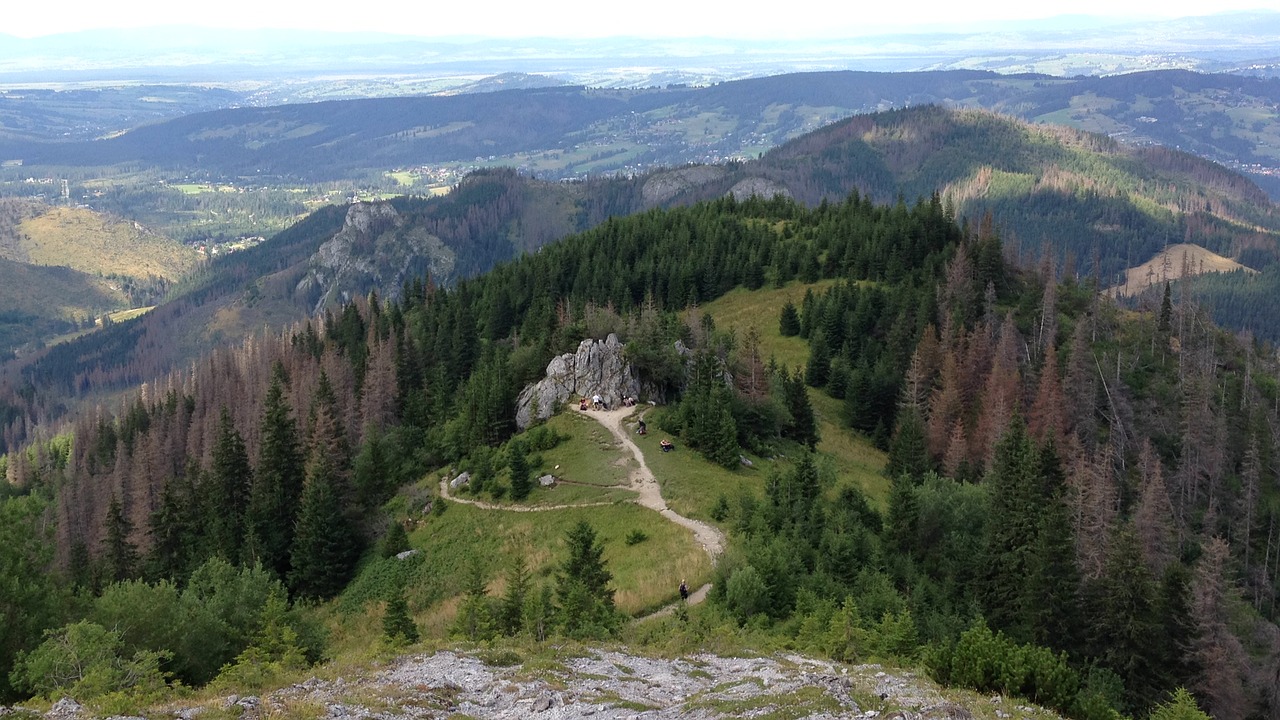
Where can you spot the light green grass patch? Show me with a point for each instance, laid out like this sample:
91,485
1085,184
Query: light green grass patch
691,484
742,309
591,455
645,575
856,460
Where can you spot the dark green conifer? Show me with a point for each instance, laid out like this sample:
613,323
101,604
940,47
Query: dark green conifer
277,484
909,450
397,625
582,586
119,556
228,483
518,463
789,322
325,544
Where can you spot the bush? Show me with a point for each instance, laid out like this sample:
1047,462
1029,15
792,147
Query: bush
86,661
637,536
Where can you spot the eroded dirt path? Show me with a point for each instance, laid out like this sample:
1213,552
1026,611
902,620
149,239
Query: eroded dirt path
645,484
648,494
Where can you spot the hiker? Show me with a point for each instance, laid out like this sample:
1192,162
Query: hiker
582,404
595,402
684,591
666,445
642,429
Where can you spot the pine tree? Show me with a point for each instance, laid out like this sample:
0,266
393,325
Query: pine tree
804,427
723,440
173,530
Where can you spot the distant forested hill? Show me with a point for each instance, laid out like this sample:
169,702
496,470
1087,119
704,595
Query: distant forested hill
569,131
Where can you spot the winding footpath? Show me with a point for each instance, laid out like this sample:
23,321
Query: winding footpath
648,494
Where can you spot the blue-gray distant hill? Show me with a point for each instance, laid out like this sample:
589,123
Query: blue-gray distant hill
564,132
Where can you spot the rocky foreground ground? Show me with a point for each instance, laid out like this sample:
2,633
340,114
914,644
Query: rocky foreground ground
603,685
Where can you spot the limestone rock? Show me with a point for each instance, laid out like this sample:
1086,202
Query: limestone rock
663,186
65,709
375,250
758,187
599,367
547,480
459,481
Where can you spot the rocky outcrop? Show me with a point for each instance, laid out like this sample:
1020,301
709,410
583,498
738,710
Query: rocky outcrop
758,187
374,250
612,684
663,186
599,367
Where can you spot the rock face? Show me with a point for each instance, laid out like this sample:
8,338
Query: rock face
758,186
663,186
597,368
374,250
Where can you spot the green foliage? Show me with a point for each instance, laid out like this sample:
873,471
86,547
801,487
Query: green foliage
395,541
326,544
397,626
30,597
789,322
86,661
274,654
637,536
1180,706
518,465
583,595
475,621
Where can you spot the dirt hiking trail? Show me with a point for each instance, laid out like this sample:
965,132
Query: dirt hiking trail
648,494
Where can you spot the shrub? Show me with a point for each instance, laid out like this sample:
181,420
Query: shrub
637,536
86,661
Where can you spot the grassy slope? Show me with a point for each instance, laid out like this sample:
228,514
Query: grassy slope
855,459
97,244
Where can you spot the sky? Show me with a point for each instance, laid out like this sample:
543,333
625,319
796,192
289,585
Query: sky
583,18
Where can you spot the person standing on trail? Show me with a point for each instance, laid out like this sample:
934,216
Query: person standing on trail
595,402
684,591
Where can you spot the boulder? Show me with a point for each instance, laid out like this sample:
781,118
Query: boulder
547,480
598,367
459,481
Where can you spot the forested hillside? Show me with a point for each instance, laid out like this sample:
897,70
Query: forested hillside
1096,207
1082,511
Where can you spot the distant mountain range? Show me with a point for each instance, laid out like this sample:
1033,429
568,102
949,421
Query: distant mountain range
565,132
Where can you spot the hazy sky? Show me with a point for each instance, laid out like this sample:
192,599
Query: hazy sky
579,18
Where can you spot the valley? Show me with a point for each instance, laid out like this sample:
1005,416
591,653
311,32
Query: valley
958,388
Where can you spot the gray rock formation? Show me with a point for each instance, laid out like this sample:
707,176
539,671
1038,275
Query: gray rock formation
663,186
374,250
599,367
758,186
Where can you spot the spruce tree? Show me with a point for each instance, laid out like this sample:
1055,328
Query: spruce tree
908,451
397,625
1014,523
789,321
512,607
582,586
277,484
475,615
804,426
120,556
229,481
325,544
518,463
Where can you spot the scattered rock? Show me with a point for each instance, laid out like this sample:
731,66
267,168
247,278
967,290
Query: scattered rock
459,481
547,480
542,702
65,708
745,461
406,554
